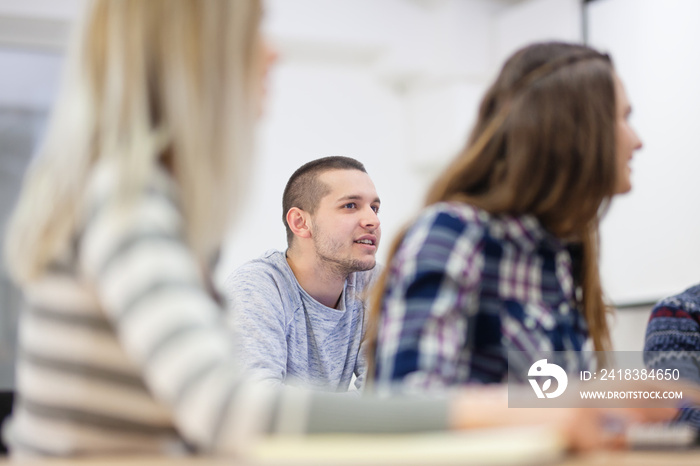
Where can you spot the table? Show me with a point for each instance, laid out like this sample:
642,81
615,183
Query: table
627,458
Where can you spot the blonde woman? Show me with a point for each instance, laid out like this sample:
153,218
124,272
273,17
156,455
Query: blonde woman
122,347
500,269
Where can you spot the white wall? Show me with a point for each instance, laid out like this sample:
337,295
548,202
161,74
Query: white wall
628,328
393,83
650,237
537,20
54,9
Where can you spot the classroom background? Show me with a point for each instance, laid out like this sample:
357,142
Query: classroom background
396,84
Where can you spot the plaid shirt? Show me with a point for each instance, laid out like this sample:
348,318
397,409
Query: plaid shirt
464,289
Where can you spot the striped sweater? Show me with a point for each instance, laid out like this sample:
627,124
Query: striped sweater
123,350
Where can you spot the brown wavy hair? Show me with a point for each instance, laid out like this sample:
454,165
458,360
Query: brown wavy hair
543,144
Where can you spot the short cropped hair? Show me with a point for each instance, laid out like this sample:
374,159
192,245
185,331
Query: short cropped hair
304,190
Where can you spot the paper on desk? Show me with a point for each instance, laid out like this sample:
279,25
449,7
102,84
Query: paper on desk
503,446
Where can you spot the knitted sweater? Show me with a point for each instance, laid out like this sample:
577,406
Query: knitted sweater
673,340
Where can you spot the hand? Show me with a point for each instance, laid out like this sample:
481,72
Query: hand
581,428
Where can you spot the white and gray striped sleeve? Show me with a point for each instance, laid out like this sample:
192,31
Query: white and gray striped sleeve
150,286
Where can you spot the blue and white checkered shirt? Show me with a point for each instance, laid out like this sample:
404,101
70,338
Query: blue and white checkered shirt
464,289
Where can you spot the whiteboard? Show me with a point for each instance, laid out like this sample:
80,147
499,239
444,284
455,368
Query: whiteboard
651,236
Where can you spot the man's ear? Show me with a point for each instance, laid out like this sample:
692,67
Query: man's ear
299,222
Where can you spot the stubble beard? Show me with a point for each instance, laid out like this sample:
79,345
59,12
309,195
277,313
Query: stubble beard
327,252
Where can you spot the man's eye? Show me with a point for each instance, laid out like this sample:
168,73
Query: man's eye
375,208
351,205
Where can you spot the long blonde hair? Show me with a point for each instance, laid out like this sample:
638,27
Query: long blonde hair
169,82
543,144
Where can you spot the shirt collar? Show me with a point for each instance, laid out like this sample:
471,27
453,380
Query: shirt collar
523,230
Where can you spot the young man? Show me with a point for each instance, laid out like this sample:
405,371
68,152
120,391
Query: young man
299,316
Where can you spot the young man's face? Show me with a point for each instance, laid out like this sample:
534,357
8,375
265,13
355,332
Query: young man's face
345,227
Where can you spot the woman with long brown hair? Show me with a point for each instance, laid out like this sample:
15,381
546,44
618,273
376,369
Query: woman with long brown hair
504,257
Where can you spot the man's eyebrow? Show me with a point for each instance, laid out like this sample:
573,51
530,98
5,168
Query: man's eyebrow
356,197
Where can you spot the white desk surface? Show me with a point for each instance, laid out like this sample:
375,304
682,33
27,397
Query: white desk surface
630,458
